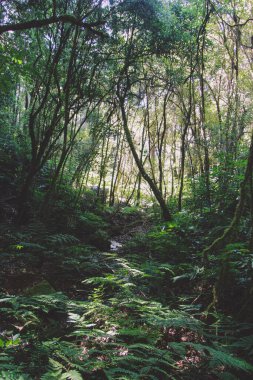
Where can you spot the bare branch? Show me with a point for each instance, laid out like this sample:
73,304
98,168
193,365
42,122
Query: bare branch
53,20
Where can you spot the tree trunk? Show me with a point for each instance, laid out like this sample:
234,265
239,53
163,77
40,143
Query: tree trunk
182,168
24,195
164,208
224,239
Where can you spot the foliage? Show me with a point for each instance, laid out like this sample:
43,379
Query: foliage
114,113
116,331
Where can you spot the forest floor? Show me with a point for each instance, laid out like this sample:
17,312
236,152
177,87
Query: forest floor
140,306
21,272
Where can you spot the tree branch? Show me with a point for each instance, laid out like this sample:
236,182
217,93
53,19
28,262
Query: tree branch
53,20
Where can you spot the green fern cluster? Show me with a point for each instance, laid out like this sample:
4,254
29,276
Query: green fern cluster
110,323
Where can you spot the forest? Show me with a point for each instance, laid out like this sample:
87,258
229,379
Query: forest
126,189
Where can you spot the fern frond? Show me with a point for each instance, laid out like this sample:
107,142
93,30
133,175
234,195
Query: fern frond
62,239
71,375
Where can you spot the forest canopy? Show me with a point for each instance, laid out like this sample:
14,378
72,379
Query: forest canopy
126,194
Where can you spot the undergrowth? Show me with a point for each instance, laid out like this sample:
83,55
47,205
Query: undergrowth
87,314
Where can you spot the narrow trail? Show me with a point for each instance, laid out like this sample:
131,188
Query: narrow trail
126,230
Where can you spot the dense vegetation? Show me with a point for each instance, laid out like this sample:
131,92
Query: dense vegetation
126,193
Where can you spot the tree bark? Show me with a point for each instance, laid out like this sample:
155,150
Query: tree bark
220,242
164,207
32,24
180,194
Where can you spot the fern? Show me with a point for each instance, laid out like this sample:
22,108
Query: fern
11,371
245,344
14,375
55,370
71,375
215,356
62,240
225,358
120,374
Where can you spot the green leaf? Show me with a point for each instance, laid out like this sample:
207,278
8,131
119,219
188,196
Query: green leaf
71,375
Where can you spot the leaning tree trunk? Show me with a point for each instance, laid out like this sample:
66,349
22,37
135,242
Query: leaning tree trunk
158,195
